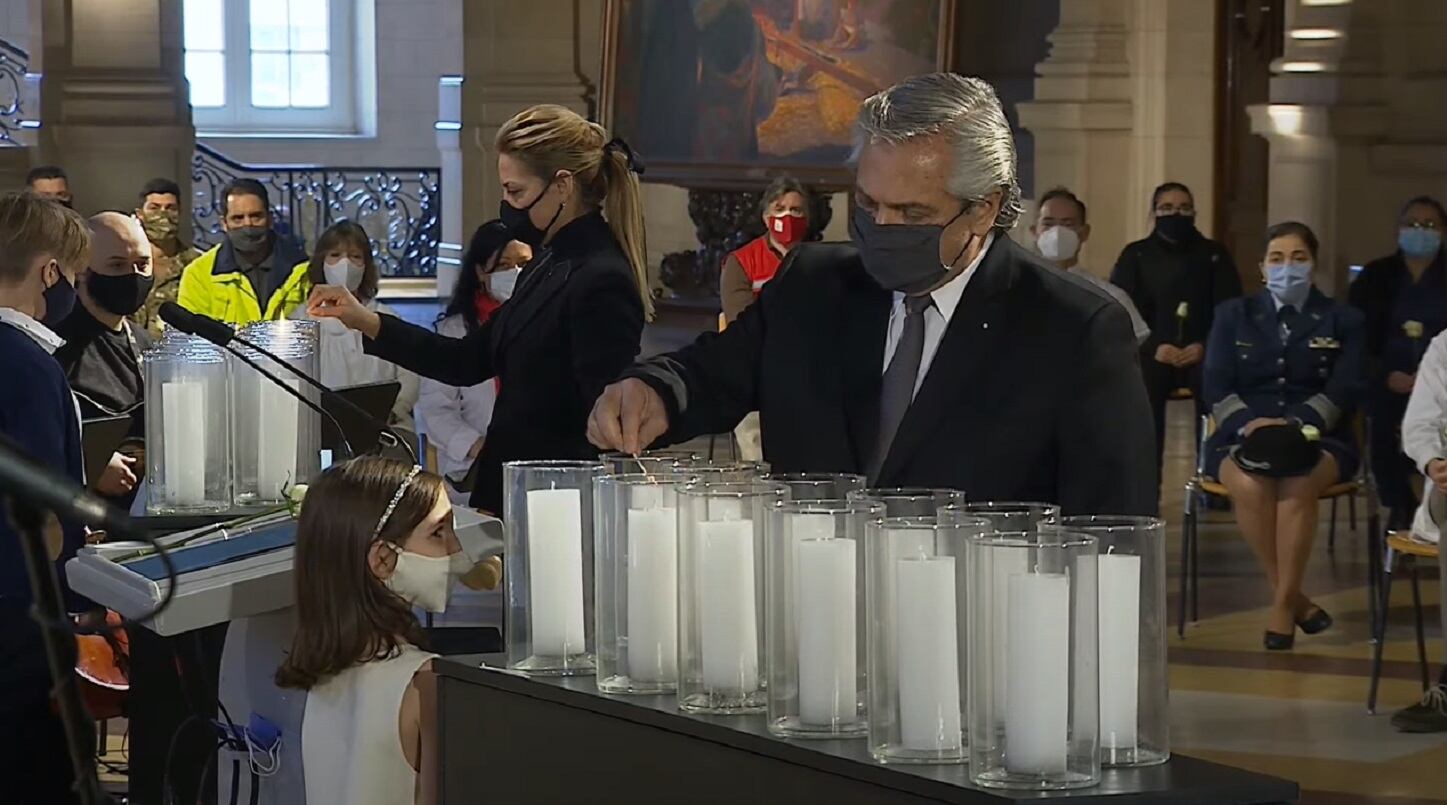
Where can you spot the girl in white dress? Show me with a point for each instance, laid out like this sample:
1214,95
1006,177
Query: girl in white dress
375,540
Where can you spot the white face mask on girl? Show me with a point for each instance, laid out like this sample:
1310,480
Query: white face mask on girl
500,284
426,581
344,272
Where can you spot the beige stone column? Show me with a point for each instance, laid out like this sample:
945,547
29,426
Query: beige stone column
115,109
515,55
1124,102
1340,161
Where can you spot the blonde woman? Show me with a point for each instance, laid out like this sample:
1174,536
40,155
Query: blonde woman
573,323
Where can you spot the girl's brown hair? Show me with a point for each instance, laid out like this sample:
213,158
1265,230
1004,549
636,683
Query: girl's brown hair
549,138
346,615
346,233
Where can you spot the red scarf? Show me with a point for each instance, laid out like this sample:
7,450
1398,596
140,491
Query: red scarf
486,306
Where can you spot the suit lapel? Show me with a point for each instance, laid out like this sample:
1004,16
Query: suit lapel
962,358
545,280
866,325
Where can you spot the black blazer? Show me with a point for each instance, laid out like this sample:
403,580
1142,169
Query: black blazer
573,324
1035,392
1374,292
1160,275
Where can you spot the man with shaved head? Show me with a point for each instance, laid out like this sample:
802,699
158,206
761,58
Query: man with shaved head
101,355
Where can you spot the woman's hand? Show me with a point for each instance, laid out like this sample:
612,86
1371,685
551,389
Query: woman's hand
1260,422
1401,382
1190,356
118,478
1168,354
336,302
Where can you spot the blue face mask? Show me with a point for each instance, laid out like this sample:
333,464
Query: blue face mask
1416,242
1290,283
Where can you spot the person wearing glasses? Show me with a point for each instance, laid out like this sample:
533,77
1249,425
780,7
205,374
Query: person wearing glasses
1176,277
1404,296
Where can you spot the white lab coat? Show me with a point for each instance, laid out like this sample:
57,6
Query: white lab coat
1424,424
454,417
343,363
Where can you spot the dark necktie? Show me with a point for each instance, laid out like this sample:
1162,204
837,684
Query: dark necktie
897,389
1287,318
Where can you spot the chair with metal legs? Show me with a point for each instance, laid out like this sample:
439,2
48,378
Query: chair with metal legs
1399,545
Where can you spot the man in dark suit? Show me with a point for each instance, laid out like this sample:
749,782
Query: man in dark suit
934,351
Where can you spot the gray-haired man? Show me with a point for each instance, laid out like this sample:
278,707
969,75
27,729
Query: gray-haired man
931,352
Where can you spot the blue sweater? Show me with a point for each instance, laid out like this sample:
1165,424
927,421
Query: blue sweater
38,412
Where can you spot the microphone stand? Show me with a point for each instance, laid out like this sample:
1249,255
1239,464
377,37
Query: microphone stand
244,358
386,434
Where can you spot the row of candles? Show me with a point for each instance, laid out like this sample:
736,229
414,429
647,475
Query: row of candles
1029,646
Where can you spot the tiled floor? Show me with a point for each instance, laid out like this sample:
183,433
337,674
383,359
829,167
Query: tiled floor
1299,714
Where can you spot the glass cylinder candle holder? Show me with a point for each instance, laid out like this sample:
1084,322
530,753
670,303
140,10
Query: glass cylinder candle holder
815,626
1006,516
188,434
918,664
548,543
650,462
1034,683
1134,706
912,501
276,440
713,472
636,604
721,594
819,485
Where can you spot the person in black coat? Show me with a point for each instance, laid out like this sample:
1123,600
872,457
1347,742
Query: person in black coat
1288,356
574,321
933,352
1176,277
1404,297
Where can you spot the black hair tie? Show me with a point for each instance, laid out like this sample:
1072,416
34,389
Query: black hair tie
634,163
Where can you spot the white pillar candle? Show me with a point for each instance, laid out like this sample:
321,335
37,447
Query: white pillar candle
555,572
645,496
727,610
1120,603
183,405
825,582
1037,661
928,657
276,417
652,595
1004,565
725,509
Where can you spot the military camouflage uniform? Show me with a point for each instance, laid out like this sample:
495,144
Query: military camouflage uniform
165,290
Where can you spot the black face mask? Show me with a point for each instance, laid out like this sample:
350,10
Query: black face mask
903,257
520,225
59,301
1176,228
119,295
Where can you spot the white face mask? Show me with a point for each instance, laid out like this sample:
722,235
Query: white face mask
500,284
1058,243
344,272
426,581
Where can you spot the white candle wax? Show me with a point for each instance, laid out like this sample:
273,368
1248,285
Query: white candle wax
801,527
825,582
726,606
652,595
645,496
928,658
1037,699
725,509
183,405
1005,564
555,572
276,418
1120,602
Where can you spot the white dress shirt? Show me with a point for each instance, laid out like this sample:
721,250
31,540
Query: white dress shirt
39,333
455,417
936,318
1424,423
1138,324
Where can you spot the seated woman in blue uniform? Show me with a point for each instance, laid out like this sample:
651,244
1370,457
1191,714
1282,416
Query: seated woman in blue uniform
1284,372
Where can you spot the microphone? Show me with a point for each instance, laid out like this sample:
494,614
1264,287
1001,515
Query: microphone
24,478
222,335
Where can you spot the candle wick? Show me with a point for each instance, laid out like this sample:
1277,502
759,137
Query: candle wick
1110,550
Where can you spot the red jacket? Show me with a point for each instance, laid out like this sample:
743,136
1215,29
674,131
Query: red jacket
759,260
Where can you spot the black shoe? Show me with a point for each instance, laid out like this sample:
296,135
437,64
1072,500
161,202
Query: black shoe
1428,715
1316,623
1275,641
1399,518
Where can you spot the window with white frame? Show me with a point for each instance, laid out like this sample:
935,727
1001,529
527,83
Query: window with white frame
272,66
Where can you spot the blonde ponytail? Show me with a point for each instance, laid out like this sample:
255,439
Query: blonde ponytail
550,138
623,209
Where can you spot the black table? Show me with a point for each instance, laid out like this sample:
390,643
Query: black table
556,740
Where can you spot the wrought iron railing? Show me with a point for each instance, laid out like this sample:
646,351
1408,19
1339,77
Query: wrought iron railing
16,94
400,208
